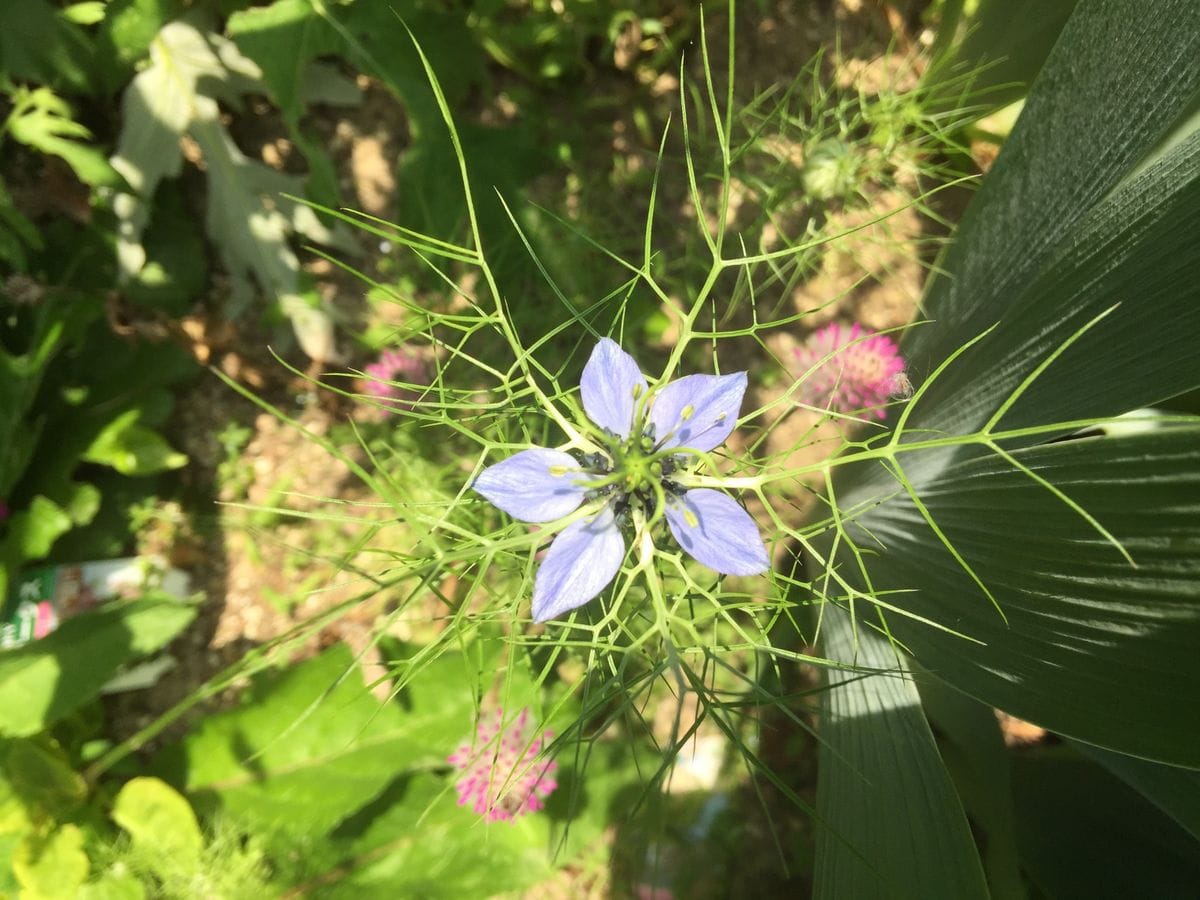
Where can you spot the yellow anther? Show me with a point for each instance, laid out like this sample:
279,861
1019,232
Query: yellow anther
559,470
691,518
687,412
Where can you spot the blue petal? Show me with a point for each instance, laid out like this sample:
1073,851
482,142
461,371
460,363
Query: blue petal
535,485
698,411
610,385
715,530
580,563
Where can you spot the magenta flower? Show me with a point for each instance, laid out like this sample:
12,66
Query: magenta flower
648,440
394,366
849,370
503,778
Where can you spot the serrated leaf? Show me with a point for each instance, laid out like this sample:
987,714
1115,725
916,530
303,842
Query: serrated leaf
247,218
439,858
42,120
43,681
891,824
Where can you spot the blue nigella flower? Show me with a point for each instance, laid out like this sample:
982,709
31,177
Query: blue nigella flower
647,441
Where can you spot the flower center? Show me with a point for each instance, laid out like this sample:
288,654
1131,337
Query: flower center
632,473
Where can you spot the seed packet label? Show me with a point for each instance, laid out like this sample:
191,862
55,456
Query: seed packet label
41,597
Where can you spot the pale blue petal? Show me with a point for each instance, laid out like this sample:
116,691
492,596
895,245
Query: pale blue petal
610,386
580,563
698,411
535,485
715,530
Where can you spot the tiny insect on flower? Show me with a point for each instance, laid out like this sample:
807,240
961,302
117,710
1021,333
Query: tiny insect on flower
849,370
503,775
648,439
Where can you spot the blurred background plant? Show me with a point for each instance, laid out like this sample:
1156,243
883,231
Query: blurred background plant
277,279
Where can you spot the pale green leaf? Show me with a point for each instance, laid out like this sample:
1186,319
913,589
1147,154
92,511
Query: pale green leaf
51,867
114,885
160,822
88,12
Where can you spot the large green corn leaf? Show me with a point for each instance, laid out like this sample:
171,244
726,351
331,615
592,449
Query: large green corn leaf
1078,639
1053,237
1085,834
892,824
1173,790
1086,211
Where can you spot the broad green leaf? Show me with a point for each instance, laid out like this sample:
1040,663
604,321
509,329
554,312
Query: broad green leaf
43,681
14,816
160,822
1173,790
426,846
133,449
891,824
247,217
1078,640
310,746
53,866
1084,833
415,841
